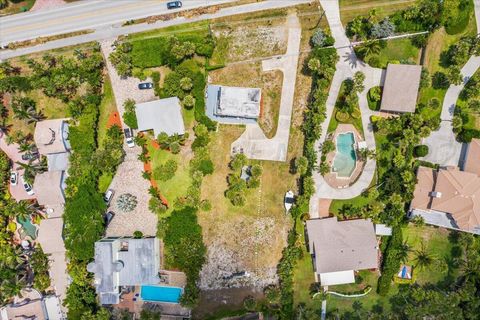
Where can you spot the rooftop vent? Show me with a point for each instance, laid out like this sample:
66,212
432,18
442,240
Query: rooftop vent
436,194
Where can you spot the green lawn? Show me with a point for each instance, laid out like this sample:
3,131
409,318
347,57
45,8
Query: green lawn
396,50
356,202
107,107
178,185
349,9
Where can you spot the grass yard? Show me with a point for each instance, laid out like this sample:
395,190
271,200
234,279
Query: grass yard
436,242
178,185
349,9
356,202
398,50
251,75
107,107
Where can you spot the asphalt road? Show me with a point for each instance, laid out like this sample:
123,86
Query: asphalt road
88,14
115,31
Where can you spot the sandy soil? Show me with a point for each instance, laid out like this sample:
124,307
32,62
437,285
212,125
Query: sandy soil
47,4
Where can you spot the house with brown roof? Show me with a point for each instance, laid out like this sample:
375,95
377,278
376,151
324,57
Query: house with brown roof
50,187
339,248
448,198
51,139
401,86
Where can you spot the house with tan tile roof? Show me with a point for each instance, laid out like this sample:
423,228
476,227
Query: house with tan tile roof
400,90
339,248
448,198
472,157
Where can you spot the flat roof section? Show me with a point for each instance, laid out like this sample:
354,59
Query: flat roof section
233,105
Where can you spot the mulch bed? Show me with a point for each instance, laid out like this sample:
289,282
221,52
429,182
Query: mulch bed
114,119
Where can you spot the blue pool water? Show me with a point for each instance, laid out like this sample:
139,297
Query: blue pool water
345,158
28,227
161,294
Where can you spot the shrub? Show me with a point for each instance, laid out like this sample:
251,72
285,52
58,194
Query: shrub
205,166
127,202
420,151
205,205
440,80
138,234
129,116
249,303
356,114
188,101
383,29
391,262
165,171
342,116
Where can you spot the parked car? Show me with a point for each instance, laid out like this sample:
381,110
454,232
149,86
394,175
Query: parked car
108,196
28,187
30,156
289,200
174,4
13,178
107,217
145,85
129,137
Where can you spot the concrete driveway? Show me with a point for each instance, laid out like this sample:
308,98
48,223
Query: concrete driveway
128,178
253,142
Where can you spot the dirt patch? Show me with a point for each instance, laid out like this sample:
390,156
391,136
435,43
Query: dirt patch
252,41
251,75
114,120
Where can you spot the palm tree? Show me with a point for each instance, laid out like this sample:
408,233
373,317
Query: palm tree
24,108
368,48
403,252
423,258
26,146
31,169
24,209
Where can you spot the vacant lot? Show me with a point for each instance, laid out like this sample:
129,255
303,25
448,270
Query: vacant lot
350,9
248,238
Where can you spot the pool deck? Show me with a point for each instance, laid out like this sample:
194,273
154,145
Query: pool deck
331,178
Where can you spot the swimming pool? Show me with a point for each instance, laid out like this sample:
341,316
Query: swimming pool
28,227
345,158
161,294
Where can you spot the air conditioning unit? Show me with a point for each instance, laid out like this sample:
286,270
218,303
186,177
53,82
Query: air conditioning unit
436,194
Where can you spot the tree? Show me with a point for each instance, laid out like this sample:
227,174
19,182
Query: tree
423,258
455,75
314,65
156,205
238,161
138,234
358,80
186,84
369,48
366,153
127,202
165,171
31,169
188,101
25,109
324,168
130,116
440,80
301,165
249,303
457,123
420,151
321,39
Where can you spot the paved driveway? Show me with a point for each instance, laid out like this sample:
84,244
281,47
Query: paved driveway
11,150
128,178
253,141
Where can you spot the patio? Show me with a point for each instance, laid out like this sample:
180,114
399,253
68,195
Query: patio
332,178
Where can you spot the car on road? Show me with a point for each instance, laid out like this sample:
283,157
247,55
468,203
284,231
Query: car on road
108,217
129,137
174,5
28,187
145,85
30,156
107,197
13,178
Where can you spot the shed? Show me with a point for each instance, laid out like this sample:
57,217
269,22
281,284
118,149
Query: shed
400,90
164,115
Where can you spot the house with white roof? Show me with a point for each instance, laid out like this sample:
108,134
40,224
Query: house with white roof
164,115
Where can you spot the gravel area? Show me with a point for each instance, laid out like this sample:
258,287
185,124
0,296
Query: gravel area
47,4
128,178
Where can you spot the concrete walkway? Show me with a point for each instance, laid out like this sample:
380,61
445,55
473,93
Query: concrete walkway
443,147
346,67
253,142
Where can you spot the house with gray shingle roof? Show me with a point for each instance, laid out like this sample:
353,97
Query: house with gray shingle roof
339,248
400,90
124,262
